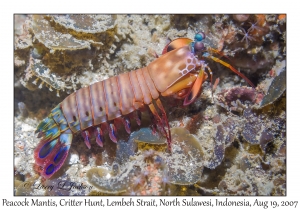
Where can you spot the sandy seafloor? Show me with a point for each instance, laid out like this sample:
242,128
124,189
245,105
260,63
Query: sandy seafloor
231,142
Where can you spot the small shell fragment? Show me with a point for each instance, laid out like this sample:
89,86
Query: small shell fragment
145,135
185,165
219,149
106,182
276,88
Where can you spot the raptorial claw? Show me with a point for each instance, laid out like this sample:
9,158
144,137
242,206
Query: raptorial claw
192,94
176,43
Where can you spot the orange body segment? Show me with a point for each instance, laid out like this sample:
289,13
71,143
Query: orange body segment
84,107
150,84
191,96
112,98
176,43
138,95
185,82
97,95
126,94
143,85
170,67
69,107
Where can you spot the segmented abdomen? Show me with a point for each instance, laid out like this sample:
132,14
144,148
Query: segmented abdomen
95,109
90,107
109,99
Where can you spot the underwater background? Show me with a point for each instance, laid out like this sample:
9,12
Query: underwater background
229,142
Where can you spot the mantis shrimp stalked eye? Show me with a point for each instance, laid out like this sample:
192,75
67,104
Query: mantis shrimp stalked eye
95,110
